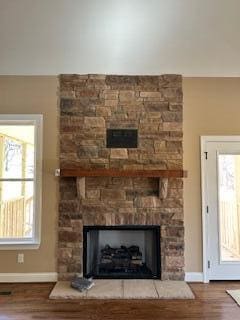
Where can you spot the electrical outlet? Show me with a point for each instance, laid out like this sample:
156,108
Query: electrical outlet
20,258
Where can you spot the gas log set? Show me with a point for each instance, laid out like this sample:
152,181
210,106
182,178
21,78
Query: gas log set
123,259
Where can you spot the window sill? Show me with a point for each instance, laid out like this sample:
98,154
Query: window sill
19,245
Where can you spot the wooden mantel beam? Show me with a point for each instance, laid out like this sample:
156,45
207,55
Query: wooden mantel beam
79,172
162,175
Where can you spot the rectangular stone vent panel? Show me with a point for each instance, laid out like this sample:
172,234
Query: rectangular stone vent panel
122,138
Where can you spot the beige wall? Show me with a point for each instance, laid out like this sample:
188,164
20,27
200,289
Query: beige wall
211,106
36,95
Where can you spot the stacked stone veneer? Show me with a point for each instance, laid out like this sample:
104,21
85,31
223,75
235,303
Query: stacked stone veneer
89,104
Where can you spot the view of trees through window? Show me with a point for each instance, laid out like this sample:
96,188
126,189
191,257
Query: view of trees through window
16,181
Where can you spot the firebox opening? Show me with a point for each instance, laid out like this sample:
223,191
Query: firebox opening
121,252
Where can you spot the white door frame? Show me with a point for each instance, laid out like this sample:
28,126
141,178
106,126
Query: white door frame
205,222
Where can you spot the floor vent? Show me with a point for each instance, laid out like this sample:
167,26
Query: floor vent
5,293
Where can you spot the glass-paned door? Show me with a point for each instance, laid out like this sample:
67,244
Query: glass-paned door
222,192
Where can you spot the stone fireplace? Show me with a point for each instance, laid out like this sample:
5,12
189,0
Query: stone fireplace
92,108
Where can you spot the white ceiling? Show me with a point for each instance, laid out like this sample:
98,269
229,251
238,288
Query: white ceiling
190,37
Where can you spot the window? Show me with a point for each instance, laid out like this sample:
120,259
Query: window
20,180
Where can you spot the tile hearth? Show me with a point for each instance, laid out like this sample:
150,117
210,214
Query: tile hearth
125,289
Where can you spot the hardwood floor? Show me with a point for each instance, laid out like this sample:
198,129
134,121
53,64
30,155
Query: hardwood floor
30,301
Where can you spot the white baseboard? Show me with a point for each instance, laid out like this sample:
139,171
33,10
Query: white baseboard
29,277
194,276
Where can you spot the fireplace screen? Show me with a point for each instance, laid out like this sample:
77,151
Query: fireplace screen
121,252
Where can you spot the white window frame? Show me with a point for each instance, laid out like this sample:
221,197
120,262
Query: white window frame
37,121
